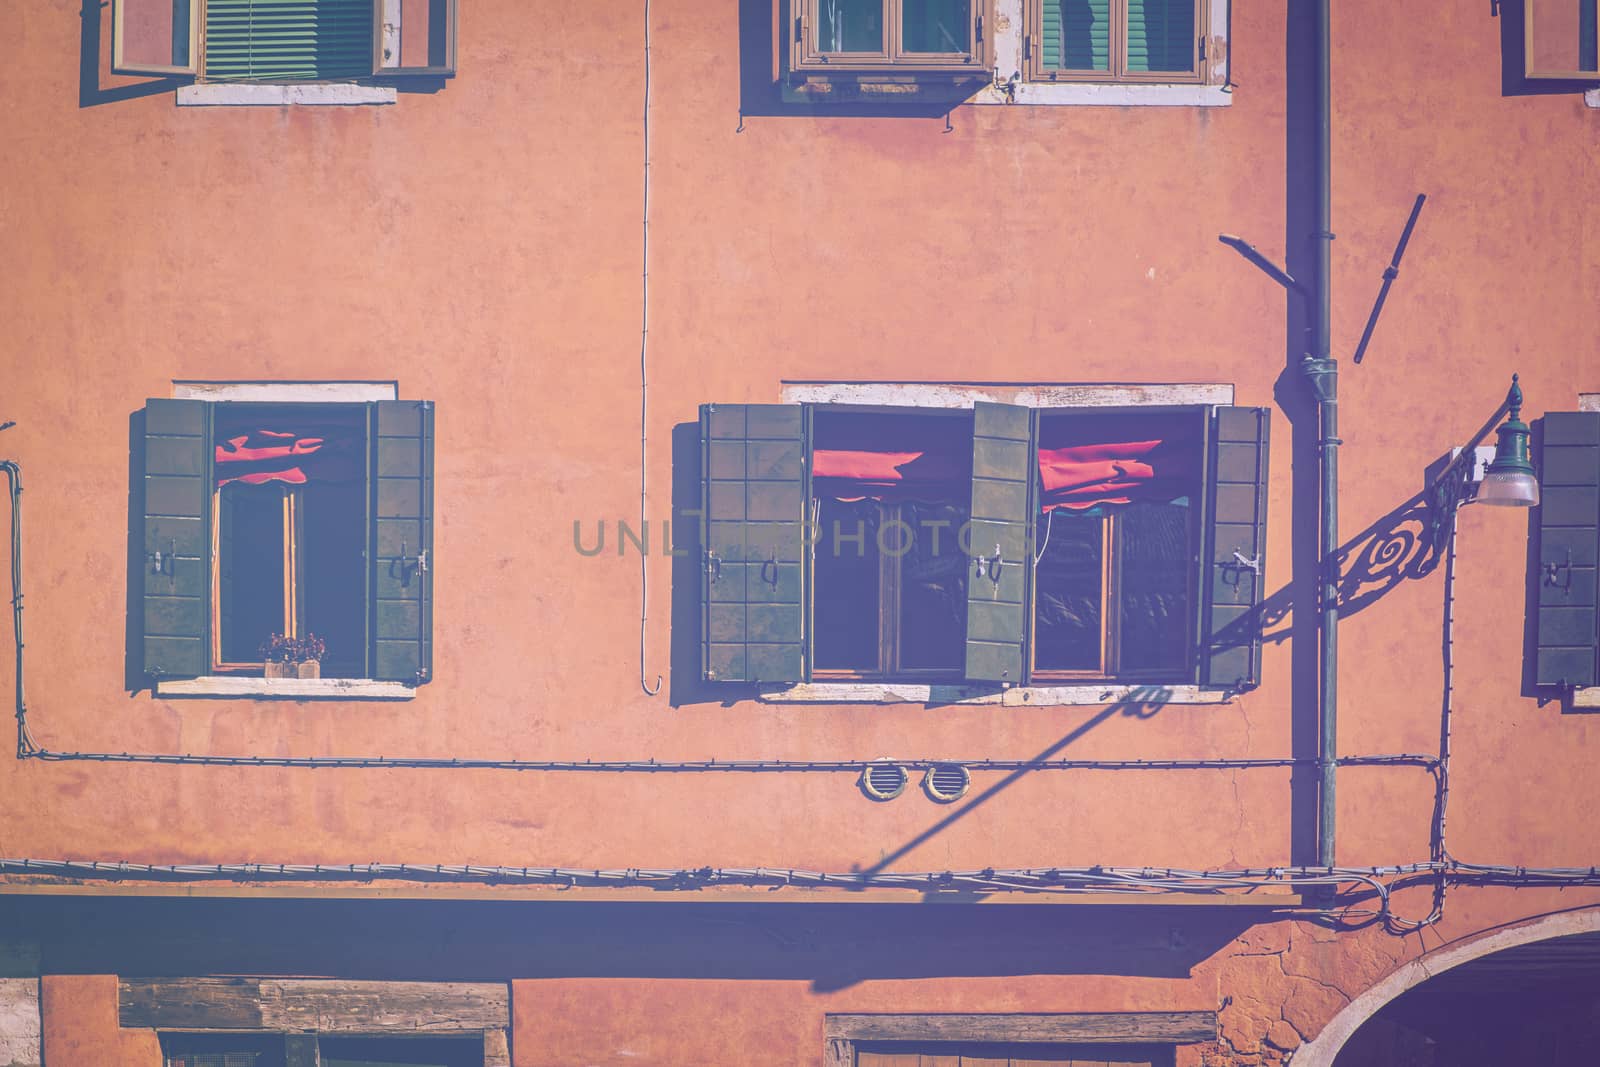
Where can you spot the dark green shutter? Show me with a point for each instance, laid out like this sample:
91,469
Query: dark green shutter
287,40
177,541
1235,549
1076,35
402,539
1004,469
1161,35
1569,534
753,464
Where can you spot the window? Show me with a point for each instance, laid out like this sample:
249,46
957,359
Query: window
1561,40
943,1054
284,40
1568,518
997,544
1116,40
931,35
287,519
305,1050
1097,1039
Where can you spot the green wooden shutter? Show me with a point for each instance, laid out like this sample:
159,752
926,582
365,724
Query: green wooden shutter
288,40
1161,35
1569,535
753,466
1235,548
1076,35
1004,469
177,538
402,540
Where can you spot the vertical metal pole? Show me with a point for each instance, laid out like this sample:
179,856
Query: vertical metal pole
1322,374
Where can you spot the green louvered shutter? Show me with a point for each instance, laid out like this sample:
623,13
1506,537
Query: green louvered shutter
1076,35
176,566
1569,535
1235,551
753,467
288,40
1004,469
402,538
1161,36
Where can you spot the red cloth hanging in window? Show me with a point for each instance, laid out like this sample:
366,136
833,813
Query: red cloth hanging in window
262,456
291,449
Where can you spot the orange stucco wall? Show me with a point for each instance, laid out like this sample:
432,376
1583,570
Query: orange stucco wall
481,245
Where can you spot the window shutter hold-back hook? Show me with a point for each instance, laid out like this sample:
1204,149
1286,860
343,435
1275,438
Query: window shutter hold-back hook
1559,575
160,564
713,566
771,561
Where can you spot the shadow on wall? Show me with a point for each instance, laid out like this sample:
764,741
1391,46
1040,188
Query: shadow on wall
94,15
831,946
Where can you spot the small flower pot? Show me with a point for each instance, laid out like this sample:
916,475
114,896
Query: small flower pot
309,669
279,669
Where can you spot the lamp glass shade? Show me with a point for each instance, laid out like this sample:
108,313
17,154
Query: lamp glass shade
1509,489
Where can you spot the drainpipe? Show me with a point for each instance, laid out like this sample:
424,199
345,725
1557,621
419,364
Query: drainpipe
1322,375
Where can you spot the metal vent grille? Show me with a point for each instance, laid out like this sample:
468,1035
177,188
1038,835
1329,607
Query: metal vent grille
213,1059
945,782
883,780
284,40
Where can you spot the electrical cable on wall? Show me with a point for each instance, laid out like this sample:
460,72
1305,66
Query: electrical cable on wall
644,379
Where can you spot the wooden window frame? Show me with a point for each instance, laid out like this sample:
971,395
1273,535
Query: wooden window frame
843,1033
1533,74
1111,563
808,57
1036,71
385,34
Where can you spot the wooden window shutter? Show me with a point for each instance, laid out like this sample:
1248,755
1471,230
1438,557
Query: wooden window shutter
1161,35
1075,35
1004,470
753,473
1235,548
414,37
1569,534
401,581
176,499
288,40
152,37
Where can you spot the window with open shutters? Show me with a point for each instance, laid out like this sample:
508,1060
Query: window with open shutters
1116,40
284,40
996,544
1569,537
294,520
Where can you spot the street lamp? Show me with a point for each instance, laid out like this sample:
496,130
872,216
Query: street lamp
1509,481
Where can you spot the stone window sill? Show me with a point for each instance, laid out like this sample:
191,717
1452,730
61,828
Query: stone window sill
285,688
1021,696
1586,697
241,94
1592,98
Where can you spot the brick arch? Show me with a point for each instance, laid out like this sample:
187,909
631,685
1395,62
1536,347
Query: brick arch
1323,1049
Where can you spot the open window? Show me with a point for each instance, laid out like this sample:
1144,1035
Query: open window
883,51
1561,40
1116,40
288,520
284,40
996,544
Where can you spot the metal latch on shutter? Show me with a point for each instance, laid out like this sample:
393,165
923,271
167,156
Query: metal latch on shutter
1559,575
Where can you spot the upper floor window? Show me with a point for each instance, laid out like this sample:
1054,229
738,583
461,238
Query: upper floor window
284,40
993,544
1561,40
1116,40
876,34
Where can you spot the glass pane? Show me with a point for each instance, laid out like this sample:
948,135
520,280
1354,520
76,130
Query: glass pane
415,33
936,26
1562,37
153,33
1076,35
1153,558
1067,592
846,596
400,1052
1161,35
250,568
333,580
849,25
933,585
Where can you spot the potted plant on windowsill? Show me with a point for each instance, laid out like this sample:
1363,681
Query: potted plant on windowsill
293,657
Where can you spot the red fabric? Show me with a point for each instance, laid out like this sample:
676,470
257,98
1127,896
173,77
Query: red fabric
859,474
263,456
1082,476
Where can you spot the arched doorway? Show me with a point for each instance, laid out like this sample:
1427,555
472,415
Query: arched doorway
1523,994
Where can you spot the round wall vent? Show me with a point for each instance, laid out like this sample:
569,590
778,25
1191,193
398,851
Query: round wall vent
883,780
945,782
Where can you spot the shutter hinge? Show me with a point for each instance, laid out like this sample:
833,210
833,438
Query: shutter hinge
1202,49
977,28
1027,46
799,34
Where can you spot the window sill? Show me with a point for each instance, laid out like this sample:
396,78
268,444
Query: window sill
1592,98
285,688
1089,94
1054,696
242,94
1586,697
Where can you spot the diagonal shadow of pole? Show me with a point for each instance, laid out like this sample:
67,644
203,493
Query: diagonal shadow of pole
1397,548
1142,703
